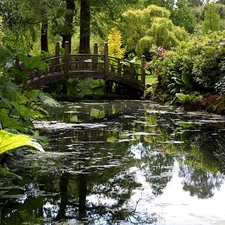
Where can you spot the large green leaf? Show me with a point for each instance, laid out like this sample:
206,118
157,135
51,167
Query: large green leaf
186,78
39,96
32,62
11,123
48,100
17,97
24,59
26,112
36,62
9,141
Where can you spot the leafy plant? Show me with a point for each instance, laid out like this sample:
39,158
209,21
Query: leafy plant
9,141
184,85
186,98
17,110
195,66
32,62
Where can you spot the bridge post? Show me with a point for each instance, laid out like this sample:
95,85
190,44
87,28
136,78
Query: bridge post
106,59
95,57
143,62
67,59
57,56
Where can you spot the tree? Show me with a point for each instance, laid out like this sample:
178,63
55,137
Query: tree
68,29
211,18
183,16
115,43
168,4
85,19
1,32
95,14
23,20
141,29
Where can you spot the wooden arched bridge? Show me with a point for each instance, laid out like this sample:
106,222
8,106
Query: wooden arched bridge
97,66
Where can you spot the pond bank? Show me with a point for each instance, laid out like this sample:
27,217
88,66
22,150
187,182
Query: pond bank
210,103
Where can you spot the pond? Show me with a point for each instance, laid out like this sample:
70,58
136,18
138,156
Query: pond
119,162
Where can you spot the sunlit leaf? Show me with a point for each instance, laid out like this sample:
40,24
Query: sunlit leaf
32,62
9,141
26,112
17,97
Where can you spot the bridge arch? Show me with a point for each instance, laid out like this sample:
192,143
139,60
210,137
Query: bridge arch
97,66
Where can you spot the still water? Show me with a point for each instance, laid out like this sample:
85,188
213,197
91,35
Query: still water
119,162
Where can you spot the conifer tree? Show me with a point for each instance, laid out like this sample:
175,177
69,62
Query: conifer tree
211,18
115,43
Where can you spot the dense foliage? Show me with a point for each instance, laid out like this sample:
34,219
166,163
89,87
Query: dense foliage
18,109
142,29
192,69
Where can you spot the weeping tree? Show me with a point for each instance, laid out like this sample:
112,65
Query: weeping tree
168,4
142,29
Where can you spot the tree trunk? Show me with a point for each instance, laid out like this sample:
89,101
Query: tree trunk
67,36
85,17
64,181
44,36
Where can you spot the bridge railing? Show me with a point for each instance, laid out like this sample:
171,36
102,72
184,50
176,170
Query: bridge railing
68,63
124,68
92,62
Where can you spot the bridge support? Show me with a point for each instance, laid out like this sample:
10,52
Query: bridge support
67,59
95,57
106,59
57,48
143,62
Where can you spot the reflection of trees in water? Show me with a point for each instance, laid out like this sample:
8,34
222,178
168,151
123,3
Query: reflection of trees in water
202,153
211,143
105,173
158,170
111,197
200,183
204,147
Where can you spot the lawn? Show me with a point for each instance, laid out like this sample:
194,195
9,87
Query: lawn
149,79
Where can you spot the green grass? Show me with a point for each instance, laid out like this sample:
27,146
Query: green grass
149,79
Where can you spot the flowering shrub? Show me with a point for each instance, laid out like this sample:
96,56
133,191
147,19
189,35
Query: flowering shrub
200,61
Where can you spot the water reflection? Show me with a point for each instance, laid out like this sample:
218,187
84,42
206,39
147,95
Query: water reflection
110,162
200,183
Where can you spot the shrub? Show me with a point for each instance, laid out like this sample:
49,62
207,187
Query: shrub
195,66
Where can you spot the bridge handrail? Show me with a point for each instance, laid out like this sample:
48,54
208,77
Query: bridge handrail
109,65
